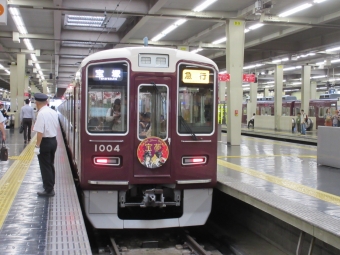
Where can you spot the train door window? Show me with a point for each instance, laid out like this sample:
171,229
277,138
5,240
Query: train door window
152,116
196,100
257,110
107,108
283,111
245,110
333,109
311,111
321,112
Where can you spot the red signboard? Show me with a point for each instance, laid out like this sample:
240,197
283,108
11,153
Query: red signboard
249,77
246,77
224,77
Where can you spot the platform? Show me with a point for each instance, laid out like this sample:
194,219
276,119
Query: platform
30,224
284,180
311,137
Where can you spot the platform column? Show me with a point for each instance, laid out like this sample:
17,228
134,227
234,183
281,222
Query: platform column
313,90
13,82
252,104
234,61
221,99
278,96
305,88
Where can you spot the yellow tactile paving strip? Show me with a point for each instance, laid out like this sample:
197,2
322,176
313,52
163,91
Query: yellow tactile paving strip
12,179
282,182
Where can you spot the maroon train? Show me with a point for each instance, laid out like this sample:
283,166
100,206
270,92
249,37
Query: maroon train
291,106
141,127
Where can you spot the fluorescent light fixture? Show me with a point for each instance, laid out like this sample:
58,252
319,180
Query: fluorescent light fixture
222,72
197,50
252,66
333,49
289,68
28,44
84,21
295,83
220,40
256,26
15,13
168,30
322,88
270,82
204,5
295,10
246,30
319,1
276,61
7,71
318,76
245,85
246,88
284,59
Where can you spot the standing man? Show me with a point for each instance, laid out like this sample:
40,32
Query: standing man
2,128
303,122
27,116
252,121
46,127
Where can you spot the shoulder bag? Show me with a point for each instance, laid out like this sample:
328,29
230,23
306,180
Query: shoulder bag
3,152
21,129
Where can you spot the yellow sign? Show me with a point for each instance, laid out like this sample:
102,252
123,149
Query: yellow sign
237,23
195,76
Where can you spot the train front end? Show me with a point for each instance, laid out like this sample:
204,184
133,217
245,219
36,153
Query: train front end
148,146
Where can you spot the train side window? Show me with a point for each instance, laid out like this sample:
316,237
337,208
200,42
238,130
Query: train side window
311,111
321,112
196,100
107,108
152,116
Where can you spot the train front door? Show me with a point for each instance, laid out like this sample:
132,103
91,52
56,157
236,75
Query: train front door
152,146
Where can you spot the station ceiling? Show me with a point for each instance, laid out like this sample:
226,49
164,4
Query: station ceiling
66,31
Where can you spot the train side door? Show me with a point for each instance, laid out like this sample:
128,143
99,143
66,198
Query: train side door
152,139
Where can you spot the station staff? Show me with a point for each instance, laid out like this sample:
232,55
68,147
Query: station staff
27,117
46,127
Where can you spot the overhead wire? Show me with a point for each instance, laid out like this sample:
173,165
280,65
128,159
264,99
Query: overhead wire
92,47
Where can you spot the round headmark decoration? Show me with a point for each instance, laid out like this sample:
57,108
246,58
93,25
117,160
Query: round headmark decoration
2,9
152,152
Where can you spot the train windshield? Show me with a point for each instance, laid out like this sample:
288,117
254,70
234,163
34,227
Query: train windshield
152,111
107,86
195,100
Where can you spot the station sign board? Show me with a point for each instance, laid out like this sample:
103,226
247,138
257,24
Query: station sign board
245,78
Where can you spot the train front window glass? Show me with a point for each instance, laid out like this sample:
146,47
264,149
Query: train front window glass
107,86
152,111
196,104
321,112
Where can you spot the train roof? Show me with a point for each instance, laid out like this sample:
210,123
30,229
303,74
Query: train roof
132,53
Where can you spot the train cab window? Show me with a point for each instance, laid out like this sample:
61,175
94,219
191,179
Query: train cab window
196,103
152,111
107,108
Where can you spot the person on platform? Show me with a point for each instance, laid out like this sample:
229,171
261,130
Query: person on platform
46,126
303,122
2,128
27,118
252,121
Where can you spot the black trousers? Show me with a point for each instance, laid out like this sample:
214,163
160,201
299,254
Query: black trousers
251,122
48,147
27,124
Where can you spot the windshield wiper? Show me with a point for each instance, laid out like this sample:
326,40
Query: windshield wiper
187,127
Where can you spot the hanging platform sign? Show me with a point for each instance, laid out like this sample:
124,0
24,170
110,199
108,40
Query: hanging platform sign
224,77
249,77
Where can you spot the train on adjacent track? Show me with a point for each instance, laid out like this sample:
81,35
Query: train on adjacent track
291,107
141,128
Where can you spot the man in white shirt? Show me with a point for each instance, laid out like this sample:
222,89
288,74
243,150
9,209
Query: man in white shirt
27,117
252,120
2,128
46,127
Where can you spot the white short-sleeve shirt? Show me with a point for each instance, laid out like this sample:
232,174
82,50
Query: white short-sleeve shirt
2,118
47,122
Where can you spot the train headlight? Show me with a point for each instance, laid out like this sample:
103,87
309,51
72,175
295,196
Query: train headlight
106,161
194,160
